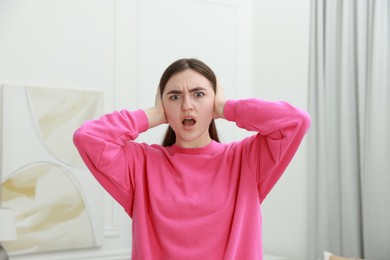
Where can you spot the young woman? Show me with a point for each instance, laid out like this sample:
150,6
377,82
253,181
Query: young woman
193,197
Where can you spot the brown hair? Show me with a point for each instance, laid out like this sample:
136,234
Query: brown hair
179,66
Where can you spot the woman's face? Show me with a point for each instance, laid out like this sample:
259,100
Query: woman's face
188,101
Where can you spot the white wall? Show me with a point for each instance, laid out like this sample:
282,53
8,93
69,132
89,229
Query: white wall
67,44
121,47
215,31
281,43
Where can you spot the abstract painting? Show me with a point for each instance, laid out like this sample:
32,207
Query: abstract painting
56,202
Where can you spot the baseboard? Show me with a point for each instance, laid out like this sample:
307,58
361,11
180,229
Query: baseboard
74,255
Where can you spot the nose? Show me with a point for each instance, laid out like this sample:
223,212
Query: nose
187,103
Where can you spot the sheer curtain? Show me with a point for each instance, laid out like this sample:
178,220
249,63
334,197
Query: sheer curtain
349,142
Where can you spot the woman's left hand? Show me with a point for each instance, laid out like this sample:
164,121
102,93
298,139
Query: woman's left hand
219,101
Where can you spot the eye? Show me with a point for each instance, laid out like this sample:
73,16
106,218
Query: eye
198,94
174,97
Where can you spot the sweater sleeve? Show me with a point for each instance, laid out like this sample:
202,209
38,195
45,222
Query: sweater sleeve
101,145
280,129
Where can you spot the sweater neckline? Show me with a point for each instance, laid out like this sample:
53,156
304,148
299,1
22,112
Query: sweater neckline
205,150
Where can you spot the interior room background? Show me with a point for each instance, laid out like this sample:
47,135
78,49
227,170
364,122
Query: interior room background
120,48
348,145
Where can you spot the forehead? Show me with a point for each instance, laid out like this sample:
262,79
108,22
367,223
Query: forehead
187,79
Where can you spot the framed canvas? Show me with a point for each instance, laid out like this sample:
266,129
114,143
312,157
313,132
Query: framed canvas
56,202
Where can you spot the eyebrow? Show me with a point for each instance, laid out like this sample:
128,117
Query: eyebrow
191,91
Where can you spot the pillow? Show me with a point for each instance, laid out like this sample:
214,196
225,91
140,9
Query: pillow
330,256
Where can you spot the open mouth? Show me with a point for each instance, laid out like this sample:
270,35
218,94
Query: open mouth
188,122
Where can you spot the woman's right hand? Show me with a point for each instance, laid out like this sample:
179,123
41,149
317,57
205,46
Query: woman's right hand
159,106
156,114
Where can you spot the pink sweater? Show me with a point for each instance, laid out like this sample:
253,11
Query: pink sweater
194,203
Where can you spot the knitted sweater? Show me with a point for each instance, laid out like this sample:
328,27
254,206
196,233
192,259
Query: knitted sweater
194,203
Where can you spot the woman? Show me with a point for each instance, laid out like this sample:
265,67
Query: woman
193,197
